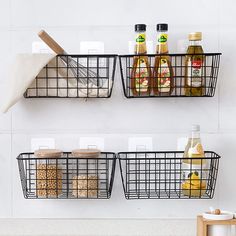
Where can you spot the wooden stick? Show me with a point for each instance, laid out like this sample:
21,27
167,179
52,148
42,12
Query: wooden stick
51,42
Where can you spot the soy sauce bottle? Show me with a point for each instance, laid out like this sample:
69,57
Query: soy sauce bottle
163,71
141,71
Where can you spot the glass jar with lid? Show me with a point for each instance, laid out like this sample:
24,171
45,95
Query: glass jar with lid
85,174
48,173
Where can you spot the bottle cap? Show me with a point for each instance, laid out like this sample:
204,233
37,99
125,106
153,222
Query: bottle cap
195,128
140,27
48,153
162,27
195,36
86,153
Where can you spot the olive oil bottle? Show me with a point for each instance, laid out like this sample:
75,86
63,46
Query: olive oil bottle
194,66
141,71
163,71
193,166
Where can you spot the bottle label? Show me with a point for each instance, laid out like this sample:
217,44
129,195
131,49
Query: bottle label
196,150
162,38
195,73
194,176
141,76
141,38
163,76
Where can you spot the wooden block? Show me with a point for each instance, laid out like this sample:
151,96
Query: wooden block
202,224
201,227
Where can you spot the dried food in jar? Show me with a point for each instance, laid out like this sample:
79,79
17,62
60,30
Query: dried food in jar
48,173
85,178
49,180
85,186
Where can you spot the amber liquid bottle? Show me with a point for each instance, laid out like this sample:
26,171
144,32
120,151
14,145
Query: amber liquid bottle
194,67
141,71
163,72
194,166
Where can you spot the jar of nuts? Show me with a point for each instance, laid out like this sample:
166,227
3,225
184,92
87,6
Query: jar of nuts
85,174
48,173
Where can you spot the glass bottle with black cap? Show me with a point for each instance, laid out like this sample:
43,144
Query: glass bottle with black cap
141,71
163,71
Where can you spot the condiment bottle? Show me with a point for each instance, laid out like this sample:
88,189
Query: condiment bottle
141,71
194,71
163,71
193,166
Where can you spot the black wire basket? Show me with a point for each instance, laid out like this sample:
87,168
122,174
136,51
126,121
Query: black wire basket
167,175
67,177
75,76
177,83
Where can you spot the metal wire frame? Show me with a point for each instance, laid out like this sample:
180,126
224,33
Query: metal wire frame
210,69
67,177
58,80
159,175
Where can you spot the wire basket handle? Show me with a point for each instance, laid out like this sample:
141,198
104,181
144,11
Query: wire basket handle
51,42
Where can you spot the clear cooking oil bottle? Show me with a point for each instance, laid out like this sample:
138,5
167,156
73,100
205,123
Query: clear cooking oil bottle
193,166
163,71
194,71
141,71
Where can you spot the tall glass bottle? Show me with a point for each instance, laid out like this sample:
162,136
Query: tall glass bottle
194,71
193,166
163,71
141,71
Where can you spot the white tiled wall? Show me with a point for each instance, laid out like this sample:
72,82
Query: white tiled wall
117,118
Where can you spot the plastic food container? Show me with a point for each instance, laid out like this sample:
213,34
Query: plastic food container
219,230
48,173
85,178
